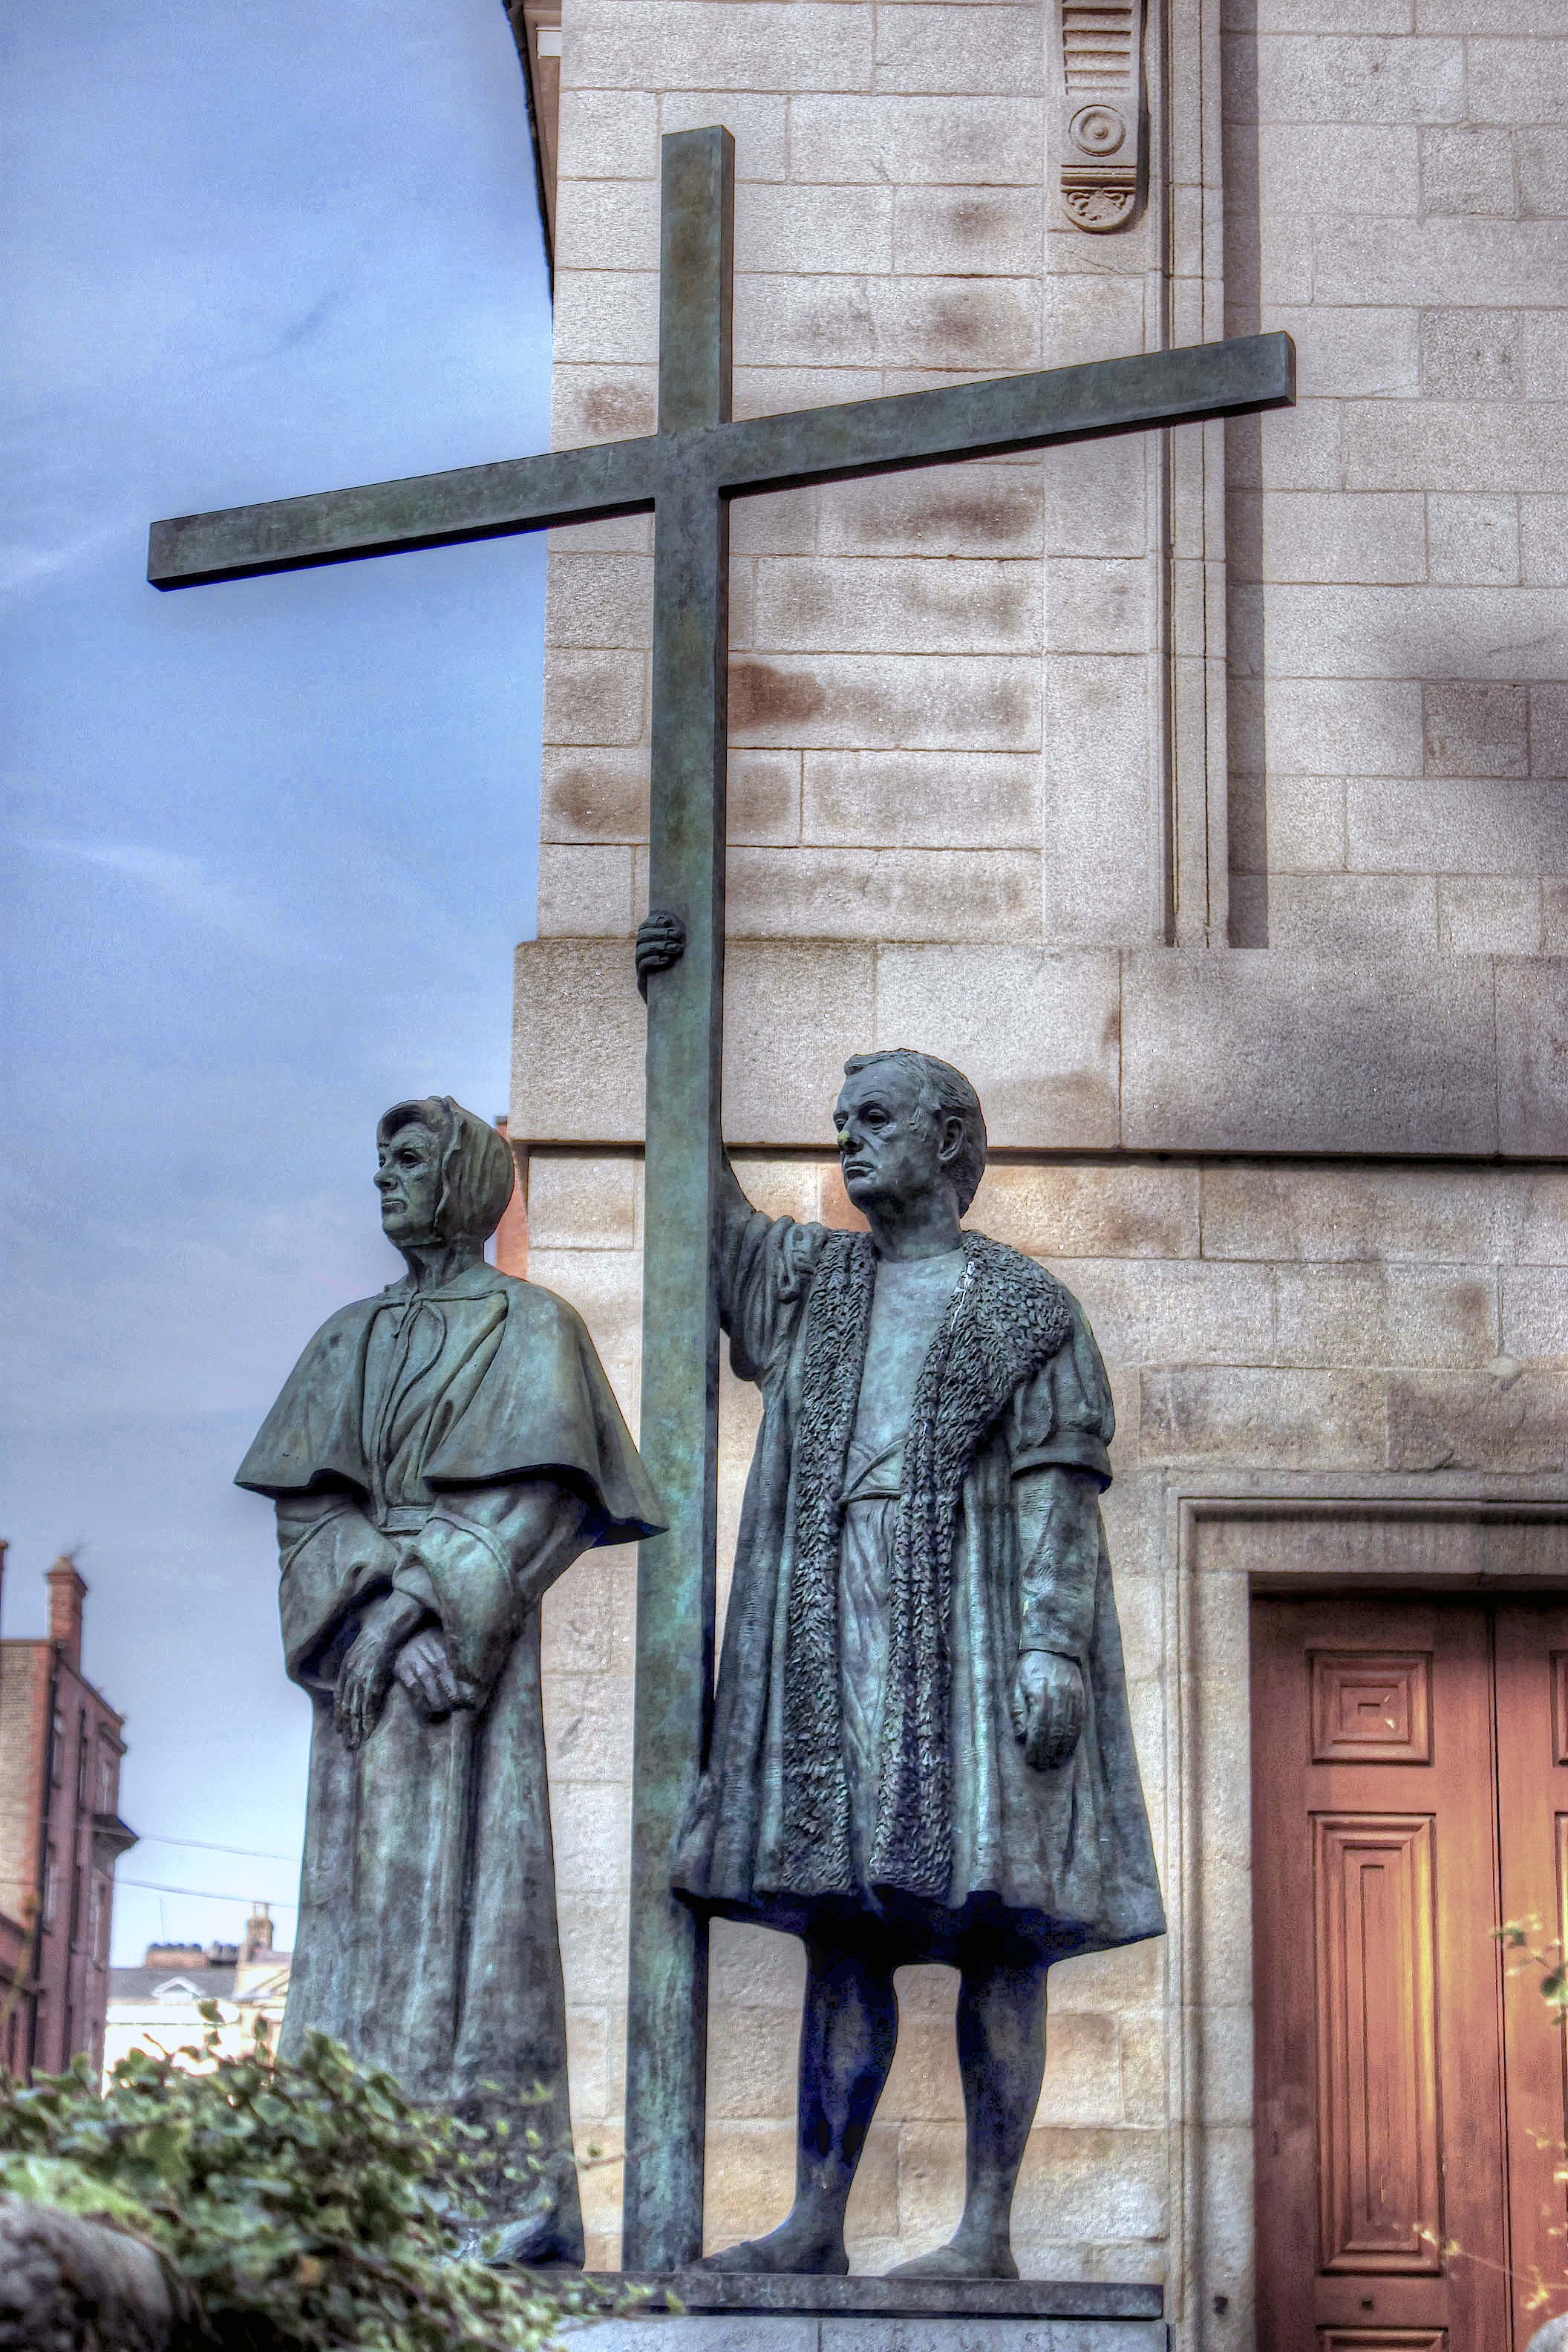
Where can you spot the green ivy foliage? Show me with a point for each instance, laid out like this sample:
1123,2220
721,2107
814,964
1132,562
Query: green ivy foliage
1520,1939
303,2201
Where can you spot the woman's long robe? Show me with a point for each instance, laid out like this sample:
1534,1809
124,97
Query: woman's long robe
1059,1858
428,1937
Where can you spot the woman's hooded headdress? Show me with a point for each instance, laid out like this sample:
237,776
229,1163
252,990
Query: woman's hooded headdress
477,1171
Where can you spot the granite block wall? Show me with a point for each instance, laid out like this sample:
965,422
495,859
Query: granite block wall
1396,197
963,705
904,762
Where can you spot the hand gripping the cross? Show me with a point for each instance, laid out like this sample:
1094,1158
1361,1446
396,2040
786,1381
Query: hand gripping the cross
661,942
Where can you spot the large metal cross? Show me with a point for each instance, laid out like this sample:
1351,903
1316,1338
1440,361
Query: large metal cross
685,475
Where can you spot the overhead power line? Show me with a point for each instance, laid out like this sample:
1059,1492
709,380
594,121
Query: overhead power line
206,1893
200,1845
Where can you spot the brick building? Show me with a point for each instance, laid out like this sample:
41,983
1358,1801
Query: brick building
60,1836
1204,796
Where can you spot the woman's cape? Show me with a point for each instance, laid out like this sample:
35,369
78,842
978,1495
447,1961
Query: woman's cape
544,1408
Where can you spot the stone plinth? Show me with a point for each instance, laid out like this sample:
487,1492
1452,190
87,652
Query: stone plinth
737,2313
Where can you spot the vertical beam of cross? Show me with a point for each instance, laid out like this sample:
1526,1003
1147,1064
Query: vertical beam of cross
666,2021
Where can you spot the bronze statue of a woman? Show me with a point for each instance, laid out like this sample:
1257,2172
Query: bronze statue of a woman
438,1456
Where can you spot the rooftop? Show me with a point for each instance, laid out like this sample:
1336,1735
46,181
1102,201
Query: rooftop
172,1984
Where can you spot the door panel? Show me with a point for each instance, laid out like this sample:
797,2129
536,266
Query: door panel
1532,1810
1383,2339
1380,2121
1372,1708
1377,2044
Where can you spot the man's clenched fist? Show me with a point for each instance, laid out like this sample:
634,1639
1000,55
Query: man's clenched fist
1047,1707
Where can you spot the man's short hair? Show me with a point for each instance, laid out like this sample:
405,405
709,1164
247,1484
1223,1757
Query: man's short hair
944,1093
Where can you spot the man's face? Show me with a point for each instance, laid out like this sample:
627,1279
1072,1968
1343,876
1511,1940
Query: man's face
408,1178
889,1148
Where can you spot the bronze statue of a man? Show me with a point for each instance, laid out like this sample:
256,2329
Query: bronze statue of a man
920,1746
438,1456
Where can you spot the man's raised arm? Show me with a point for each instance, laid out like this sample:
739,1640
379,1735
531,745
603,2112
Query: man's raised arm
660,944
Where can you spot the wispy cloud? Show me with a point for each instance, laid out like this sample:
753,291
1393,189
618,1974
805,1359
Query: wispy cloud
191,890
23,567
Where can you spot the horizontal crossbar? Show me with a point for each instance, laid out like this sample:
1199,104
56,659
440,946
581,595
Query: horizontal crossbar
766,453
388,518
1005,414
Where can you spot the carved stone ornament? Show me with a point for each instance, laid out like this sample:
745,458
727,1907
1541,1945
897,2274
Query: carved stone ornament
1103,121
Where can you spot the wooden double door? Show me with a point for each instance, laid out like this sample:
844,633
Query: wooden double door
1410,1792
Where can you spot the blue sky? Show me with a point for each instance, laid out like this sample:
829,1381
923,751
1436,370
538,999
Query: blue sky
269,845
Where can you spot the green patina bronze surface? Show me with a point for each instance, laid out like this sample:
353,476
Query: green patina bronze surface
439,1454
921,1748
667,2015
686,473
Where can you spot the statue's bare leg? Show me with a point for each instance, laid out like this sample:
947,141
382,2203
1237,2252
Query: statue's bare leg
1002,2060
848,2030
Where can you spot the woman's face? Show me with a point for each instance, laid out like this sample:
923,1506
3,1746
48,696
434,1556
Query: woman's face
408,1178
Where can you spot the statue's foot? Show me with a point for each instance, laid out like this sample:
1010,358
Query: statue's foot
963,2258
537,2243
799,2244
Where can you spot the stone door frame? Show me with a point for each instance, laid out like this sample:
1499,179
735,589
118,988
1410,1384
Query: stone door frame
1297,1535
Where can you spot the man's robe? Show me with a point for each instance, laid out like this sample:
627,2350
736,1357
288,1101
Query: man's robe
963,1838
428,1937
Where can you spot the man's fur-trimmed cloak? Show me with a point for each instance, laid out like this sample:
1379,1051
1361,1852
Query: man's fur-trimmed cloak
1013,1383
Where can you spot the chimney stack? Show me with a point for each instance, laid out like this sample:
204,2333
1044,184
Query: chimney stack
67,1591
258,1943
